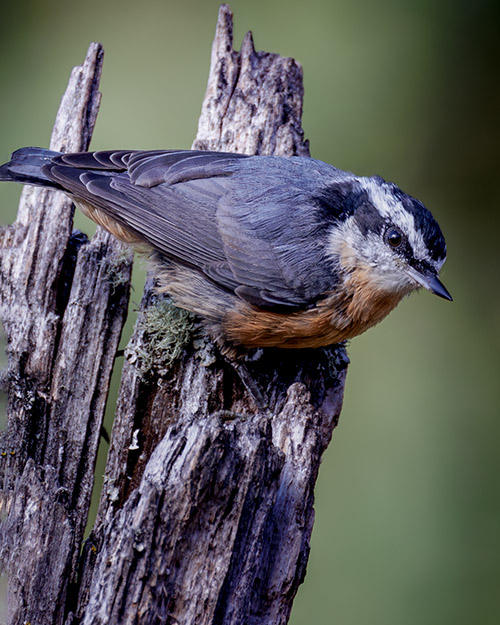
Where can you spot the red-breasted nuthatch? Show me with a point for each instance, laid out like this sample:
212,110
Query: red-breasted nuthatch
269,251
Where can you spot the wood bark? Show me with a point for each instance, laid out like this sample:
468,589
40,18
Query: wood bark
207,506
62,302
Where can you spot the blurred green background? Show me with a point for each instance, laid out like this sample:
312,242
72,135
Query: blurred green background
408,500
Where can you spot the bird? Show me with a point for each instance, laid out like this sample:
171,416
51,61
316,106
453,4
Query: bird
269,251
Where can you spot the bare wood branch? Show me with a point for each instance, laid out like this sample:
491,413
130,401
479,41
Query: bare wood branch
62,303
253,101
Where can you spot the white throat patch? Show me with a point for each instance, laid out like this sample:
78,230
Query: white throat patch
353,251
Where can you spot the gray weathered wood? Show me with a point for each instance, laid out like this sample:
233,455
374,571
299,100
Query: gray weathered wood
62,304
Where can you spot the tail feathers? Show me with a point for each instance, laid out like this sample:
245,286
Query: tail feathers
26,166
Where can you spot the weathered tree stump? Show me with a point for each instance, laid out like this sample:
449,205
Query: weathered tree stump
207,506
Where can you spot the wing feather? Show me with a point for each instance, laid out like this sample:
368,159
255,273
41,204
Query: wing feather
245,222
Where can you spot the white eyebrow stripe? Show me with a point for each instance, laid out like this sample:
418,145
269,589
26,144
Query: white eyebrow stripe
390,208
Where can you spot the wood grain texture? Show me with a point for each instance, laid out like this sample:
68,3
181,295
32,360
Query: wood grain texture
253,101
62,303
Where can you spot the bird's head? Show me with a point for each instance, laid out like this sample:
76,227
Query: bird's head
390,238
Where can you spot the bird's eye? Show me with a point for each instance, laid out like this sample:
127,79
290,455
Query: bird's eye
394,237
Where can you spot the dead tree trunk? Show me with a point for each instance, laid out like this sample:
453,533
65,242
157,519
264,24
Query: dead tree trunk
205,516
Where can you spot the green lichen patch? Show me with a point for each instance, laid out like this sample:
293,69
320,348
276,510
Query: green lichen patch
168,330
117,268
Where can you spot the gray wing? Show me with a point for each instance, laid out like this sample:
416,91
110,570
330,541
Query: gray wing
248,223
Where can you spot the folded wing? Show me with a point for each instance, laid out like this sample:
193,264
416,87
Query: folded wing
244,222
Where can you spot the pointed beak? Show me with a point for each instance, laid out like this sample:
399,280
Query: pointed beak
430,281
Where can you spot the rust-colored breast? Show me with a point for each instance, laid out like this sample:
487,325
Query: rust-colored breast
342,315
252,327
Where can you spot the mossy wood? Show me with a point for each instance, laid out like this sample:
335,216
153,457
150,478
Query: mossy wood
205,516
